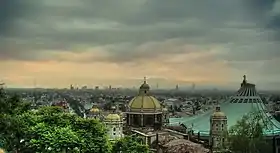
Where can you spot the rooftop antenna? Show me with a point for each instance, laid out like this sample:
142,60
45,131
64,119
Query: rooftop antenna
145,80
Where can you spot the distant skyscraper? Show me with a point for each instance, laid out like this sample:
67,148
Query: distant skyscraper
177,87
193,87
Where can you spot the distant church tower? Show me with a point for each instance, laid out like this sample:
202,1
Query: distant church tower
218,130
114,125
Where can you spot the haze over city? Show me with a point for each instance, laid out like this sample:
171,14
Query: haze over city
85,42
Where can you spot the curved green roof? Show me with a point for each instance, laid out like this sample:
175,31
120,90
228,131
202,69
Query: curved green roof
245,101
234,112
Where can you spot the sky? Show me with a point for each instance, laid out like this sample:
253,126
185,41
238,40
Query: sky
56,43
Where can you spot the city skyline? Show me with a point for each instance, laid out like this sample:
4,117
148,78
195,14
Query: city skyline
63,42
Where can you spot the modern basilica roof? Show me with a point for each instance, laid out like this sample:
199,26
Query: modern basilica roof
244,101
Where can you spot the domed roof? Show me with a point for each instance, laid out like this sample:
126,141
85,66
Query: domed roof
218,113
94,110
113,117
144,103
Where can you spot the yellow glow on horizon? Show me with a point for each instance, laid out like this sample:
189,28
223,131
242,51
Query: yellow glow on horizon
180,68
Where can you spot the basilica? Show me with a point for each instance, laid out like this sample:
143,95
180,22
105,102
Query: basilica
145,111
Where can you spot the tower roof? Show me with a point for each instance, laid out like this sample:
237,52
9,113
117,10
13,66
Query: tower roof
247,93
94,110
113,117
218,113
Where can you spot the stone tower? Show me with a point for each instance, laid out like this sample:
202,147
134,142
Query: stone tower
218,130
114,125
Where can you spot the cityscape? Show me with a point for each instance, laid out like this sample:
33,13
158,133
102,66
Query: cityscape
158,76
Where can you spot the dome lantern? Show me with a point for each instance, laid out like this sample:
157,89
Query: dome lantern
144,88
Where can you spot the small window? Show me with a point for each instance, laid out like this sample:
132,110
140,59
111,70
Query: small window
114,133
114,129
222,125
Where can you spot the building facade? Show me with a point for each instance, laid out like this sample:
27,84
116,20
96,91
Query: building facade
145,111
114,125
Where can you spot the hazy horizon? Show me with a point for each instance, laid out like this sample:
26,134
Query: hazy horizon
85,42
156,83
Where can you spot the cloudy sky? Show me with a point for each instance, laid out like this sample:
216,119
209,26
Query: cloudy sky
118,42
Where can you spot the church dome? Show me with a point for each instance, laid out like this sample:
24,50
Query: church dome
94,110
113,117
144,101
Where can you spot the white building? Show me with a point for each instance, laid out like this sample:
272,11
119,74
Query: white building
114,125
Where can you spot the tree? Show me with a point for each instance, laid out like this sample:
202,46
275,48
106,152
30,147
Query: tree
52,139
10,129
129,144
247,136
49,129
52,130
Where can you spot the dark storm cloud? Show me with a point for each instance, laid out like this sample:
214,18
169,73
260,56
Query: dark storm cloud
126,29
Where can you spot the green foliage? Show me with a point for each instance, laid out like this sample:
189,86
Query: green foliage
247,135
129,144
53,138
51,130
10,124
